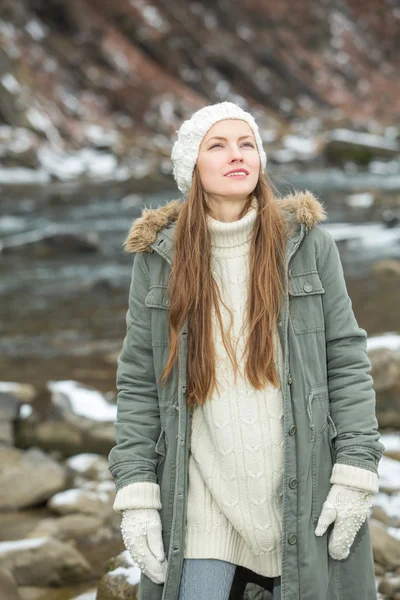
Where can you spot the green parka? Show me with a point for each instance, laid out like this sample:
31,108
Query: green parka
329,402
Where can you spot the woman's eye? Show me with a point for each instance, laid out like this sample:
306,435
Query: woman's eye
244,144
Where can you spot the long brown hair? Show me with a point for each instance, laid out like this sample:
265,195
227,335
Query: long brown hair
193,291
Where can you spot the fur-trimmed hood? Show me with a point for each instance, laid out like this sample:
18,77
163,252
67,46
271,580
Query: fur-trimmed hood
299,207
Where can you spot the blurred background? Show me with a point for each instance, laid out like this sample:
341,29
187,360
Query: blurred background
91,94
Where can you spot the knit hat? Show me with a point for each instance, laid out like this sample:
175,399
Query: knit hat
191,133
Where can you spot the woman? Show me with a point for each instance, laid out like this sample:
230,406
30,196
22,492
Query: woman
244,386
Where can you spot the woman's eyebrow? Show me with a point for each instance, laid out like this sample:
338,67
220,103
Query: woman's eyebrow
218,137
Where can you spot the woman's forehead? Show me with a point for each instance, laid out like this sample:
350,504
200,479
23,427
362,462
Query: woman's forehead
229,128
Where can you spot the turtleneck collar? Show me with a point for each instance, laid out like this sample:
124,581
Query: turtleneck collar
233,238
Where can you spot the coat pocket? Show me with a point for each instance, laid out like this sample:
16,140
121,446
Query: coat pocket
305,302
165,471
317,407
157,296
322,463
157,301
161,449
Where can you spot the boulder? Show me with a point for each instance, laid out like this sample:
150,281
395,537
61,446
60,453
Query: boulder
44,562
28,477
386,548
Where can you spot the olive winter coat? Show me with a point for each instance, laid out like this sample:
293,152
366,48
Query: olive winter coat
329,402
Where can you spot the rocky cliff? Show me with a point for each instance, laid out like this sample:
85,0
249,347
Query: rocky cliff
117,77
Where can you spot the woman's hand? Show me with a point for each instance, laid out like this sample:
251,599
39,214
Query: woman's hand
348,508
141,531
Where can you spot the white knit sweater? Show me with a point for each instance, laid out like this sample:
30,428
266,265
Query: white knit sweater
235,469
234,510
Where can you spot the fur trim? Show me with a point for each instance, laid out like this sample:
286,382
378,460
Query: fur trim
302,206
305,206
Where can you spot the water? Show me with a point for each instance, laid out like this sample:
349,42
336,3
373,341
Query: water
63,316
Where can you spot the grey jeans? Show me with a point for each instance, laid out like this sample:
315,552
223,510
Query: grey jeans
211,579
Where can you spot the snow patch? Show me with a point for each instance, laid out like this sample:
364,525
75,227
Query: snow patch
82,401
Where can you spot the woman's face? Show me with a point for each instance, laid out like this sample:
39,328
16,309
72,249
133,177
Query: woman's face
237,150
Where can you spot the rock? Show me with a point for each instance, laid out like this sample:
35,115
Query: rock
23,392
8,585
386,374
342,145
386,548
74,592
90,465
51,242
379,570
389,475
52,434
88,595
389,267
9,409
18,488
121,579
123,559
95,502
44,562
390,585
71,526
379,514
78,419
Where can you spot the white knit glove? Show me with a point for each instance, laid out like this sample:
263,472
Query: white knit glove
348,508
141,531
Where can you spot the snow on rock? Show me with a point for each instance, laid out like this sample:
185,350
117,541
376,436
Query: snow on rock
24,392
389,474
10,83
86,162
300,148
25,544
76,500
390,503
82,401
100,137
386,340
369,140
394,532
361,200
369,235
82,462
131,574
25,411
90,465
391,441
36,29
20,175
91,595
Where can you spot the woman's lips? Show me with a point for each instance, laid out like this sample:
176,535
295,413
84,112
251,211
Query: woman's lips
236,176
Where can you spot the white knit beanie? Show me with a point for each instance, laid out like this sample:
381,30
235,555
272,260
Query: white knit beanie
191,133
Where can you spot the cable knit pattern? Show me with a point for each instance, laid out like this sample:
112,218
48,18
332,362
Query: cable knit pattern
236,463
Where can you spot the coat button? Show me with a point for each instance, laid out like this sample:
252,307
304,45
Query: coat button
289,379
307,287
292,430
293,483
292,539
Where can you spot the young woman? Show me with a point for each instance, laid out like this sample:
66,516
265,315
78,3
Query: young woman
246,433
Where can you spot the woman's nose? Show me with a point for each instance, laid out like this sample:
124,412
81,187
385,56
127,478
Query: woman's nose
235,153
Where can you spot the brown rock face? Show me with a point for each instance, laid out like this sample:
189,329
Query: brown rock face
140,71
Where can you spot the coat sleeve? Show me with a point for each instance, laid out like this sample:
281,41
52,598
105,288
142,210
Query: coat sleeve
133,460
351,393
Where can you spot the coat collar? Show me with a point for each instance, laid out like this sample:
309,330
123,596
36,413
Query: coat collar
156,225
